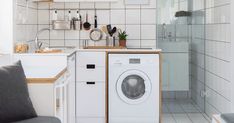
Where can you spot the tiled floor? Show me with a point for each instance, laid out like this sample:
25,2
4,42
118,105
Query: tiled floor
182,111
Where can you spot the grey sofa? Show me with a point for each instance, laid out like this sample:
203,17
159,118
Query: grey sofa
15,103
41,119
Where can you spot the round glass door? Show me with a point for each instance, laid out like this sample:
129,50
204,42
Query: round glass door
133,87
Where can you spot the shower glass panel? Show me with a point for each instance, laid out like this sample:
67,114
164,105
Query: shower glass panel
174,29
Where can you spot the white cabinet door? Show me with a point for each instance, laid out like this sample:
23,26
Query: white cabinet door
86,59
84,74
175,72
90,99
72,89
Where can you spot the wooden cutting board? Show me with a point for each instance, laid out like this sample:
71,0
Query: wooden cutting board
49,51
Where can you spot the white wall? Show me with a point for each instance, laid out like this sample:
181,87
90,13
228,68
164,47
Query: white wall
232,49
138,20
25,22
211,54
6,26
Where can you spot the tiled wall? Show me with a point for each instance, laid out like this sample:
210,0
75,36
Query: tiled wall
210,49
25,17
138,20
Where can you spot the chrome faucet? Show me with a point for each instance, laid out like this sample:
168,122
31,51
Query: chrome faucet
37,43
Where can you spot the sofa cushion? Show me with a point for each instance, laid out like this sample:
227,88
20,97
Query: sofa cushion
15,103
229,118
41,120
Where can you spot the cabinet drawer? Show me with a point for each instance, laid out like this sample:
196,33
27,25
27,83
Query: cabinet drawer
93,58
97,74
90,99
90,120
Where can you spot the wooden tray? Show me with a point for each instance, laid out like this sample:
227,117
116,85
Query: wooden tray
48,51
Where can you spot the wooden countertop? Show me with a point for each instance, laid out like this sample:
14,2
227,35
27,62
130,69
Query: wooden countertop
46,80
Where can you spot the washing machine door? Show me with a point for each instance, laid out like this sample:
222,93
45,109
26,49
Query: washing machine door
133,87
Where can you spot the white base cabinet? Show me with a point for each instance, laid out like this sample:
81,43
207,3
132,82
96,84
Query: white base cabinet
175,72
90,87
50,99
90,99
71,95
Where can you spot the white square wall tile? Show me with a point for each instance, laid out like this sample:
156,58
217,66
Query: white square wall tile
73,43
84,34
133,44
56,34
103,16
148,31
148,43
133,31
87,5
118,4
133,16
31,32
102,5
45,34
72,5
43,16
71,34
43,5
19,33
57,43
152,4
117,16
133,6
57,5
148,16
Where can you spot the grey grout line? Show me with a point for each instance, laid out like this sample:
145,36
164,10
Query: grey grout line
217,6
212,89
171,113
203,113
186,113
200,111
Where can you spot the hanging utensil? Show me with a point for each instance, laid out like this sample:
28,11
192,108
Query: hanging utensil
113,31
81,22
104,29
109,29
95,34
87,25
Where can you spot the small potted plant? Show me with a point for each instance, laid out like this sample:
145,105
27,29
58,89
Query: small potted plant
122,38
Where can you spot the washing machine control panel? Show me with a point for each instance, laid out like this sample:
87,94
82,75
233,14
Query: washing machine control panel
148,60
134,61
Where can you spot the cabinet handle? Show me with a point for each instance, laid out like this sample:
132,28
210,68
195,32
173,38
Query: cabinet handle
90,83
90,66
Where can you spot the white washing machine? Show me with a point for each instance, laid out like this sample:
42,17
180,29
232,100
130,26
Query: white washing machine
134,88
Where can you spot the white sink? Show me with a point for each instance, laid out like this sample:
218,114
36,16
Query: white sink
173,46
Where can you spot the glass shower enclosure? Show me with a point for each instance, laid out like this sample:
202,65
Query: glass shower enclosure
174,36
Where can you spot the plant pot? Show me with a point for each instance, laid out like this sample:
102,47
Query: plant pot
122,43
